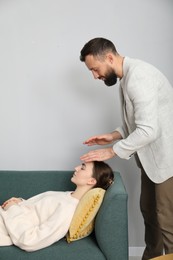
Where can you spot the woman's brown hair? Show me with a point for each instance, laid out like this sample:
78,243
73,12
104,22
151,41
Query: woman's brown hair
103,174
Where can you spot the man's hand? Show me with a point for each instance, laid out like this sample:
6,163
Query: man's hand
98,155
100,140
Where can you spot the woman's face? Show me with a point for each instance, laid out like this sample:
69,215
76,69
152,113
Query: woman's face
83,175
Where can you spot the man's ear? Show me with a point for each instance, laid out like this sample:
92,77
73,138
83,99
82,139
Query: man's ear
110,57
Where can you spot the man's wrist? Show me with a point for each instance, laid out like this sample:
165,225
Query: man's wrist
113,152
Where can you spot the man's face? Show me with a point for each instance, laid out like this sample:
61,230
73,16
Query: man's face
101,69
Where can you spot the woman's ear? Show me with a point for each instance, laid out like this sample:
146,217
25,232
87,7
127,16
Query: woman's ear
92,181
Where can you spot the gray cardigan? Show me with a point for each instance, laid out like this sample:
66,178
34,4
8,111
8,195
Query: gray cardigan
147,112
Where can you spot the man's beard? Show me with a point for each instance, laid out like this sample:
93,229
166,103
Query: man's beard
111,80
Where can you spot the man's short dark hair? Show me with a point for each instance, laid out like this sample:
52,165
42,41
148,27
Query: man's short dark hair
97,47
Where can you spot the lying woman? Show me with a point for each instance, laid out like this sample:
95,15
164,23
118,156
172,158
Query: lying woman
44,219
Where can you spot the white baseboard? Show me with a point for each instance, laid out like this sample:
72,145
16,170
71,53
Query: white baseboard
136,251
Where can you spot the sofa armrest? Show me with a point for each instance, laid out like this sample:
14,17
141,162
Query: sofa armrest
111,226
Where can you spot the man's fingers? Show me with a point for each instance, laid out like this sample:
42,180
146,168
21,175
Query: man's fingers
90,141
98,155
91,156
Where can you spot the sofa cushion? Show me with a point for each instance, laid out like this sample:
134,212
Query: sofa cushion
82,223
84,249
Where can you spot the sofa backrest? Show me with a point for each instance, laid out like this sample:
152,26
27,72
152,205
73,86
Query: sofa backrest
26,184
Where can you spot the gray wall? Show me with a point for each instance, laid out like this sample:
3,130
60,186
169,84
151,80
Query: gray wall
49,102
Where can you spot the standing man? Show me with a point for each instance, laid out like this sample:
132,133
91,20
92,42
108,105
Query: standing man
147,133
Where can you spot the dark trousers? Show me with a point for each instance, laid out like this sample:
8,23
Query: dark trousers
156,204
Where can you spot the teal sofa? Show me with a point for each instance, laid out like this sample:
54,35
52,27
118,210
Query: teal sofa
109,241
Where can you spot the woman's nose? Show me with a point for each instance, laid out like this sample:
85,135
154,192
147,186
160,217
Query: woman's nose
76,168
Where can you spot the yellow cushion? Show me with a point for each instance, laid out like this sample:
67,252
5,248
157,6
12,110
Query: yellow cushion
82,223
163,257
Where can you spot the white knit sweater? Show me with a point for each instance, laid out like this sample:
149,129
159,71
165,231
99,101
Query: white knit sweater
37,222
